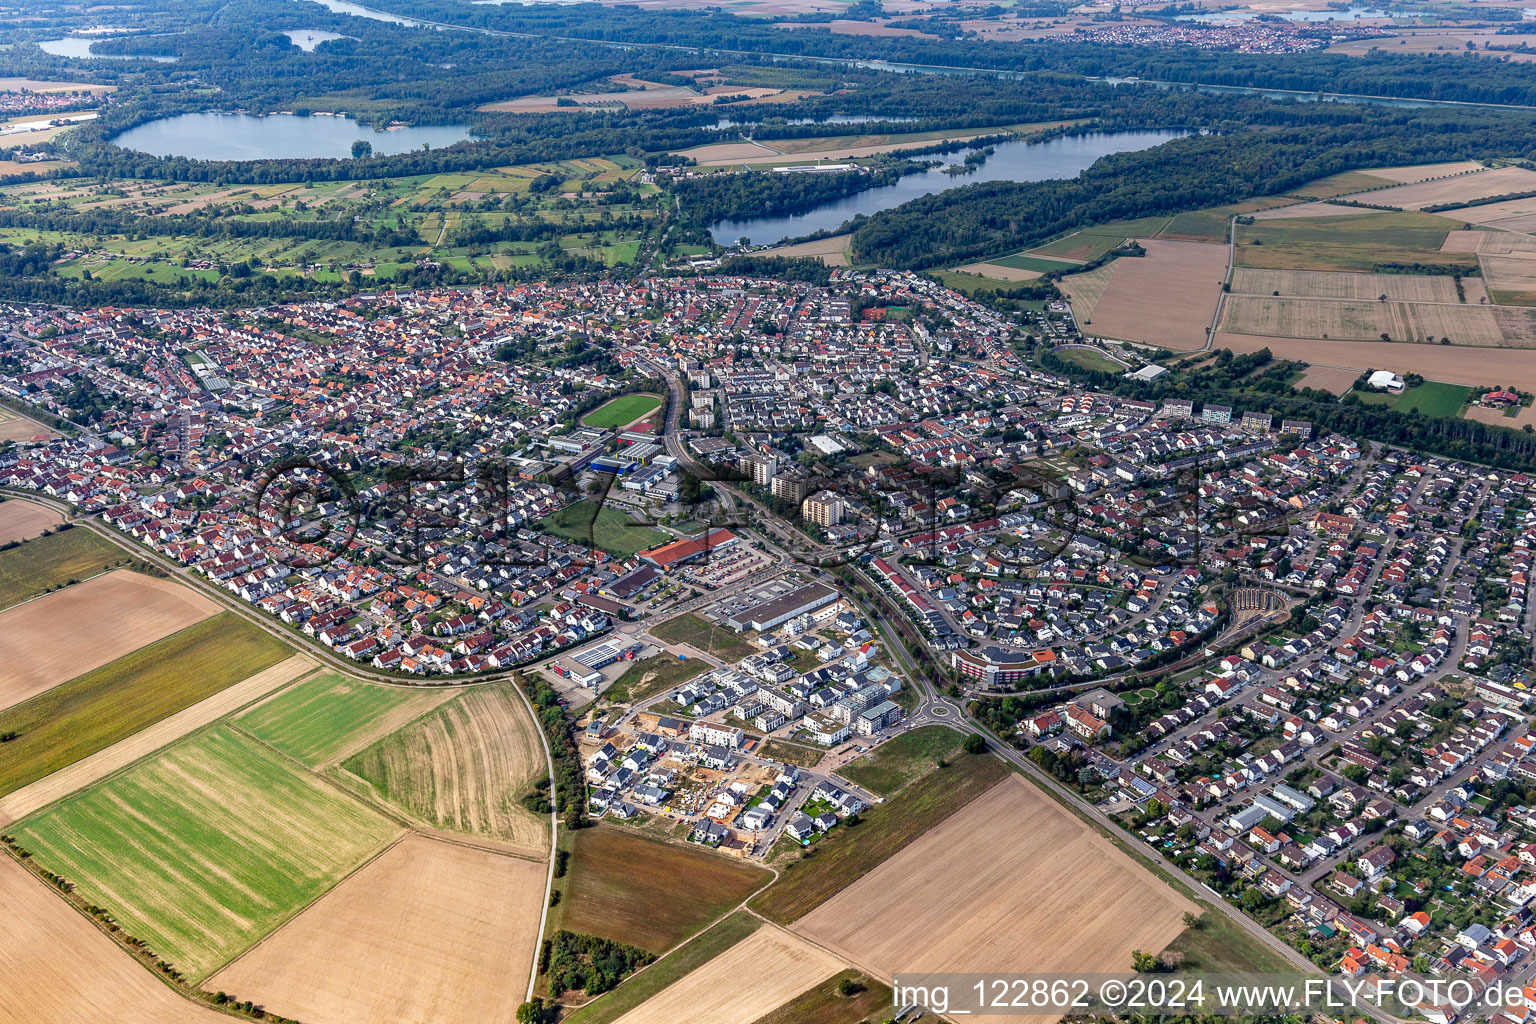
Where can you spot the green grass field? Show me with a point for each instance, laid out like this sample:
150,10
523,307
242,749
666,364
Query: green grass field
206,847
647,893
902,759
1090,360
1024,261
720,641
95,710
637,989
590,524
1356,242
315,719
845,855
1219,946
44,563
823,1004
1429,399
665,672
622,410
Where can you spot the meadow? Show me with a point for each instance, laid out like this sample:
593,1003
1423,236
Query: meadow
647,678
1430,398
902,759
329,713
95,710
206,847
590,524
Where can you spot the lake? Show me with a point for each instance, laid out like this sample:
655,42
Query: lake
1064,157
74,46
276,136
343,7
307,39
1307,16
726,122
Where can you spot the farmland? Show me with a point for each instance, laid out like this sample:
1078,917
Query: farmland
621,411
22,520
823,1004
464,767
329,715
847,855
1012,879
590,524
763,971
1456,188
160,847
1166,297
1447,363
1352,242
60,635
109,704
1329,285
411,936
648,893
15,427
45,563
902,759
1361,320
697,633
60,967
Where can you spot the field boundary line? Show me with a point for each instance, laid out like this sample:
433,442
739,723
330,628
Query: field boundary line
335,760
84,579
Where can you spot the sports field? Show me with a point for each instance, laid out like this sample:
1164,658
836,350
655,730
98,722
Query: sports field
464,767
621,411
429,931
330,714
207,846
44,563
95,710
1012,879
769,967
56,966
648,893
22,520
58,636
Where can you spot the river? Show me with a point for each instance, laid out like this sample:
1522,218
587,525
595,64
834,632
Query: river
1066,156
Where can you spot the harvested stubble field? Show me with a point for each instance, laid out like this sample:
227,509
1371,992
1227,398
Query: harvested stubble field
823,1004
1491,243
1358,320
648,893
1166,297
205,847
22,520
60,635
108,704
72,778
1458,188
832,250
1423,172
1323,284
1012,879
753,977
56,966
1448,363
464,767
428,931
1510,215
1340,184
1497,417
330,715
41,564
1337,379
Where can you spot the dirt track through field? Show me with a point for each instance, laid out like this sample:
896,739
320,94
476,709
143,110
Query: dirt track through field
24,801
22,520
757,975
1012,882
57,968
71,631
429,931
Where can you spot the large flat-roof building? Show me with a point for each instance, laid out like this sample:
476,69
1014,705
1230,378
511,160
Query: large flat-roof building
780,610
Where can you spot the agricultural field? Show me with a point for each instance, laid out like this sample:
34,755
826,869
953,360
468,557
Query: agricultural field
753,977
464,767
60,967
718,641
16,427
1463,187
22,520
206,847
106,705
1447,363
622,411
1318,284
429,931
330,715
1165,298
1214,224
847,855
1012,879
656,674
58,636
823,1004
71,778
832,250
902,759
647,893
1094,241
1336,379
1352,241
46,563
1341,184
1025,261
1360,320
590,524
